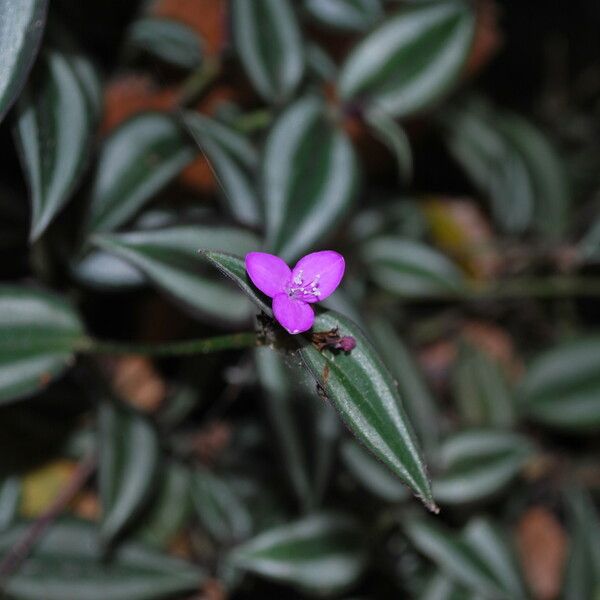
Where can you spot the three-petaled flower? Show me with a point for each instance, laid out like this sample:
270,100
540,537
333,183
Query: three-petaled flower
314,278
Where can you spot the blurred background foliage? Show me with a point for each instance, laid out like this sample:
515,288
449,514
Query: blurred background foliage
449,149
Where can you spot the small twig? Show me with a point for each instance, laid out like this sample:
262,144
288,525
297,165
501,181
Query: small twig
21,550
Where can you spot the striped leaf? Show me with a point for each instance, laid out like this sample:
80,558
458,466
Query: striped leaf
269,44
372,474
308,180
67,563
128,464
481,390
170,259
234,268
234,162
136,161
582,573
347,15
562,387
221,512
366,397
169,509
22,28
166,39
391,134
546,171
513,163
412,59
418,399
38,335
409,268
479,463
479,559
53,132
10,497
275,381
490,542
319,554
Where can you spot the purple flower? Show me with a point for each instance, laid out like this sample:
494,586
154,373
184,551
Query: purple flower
314,278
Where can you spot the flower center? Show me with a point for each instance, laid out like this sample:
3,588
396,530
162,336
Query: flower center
298,289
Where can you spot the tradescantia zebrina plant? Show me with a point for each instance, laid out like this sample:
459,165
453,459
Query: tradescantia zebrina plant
297,299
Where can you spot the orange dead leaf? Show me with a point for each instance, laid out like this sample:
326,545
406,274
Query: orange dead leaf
86,505
488,37
542,544
128,95
135,379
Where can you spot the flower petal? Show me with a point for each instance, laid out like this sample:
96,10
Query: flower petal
321,270
268,273
296,316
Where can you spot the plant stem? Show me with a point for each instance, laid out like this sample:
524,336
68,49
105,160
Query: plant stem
195,85
253,121
546,287
203,346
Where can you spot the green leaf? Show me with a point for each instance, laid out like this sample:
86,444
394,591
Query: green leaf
582,575
170,508
546,171
562,386
481,390
138,159
234,162
489,541
278,398
309,178
400,218
319,63
412,59
374,476
60,39
365,395
169,258
22,29
168,40
479,463
410,269
350,15
38,335
392,135
589,246
53,133
476,139
441,587
269,44
10,497
327,428
318,554
418,401
221,512
128,463
234,268
104,271
461,559
67,564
